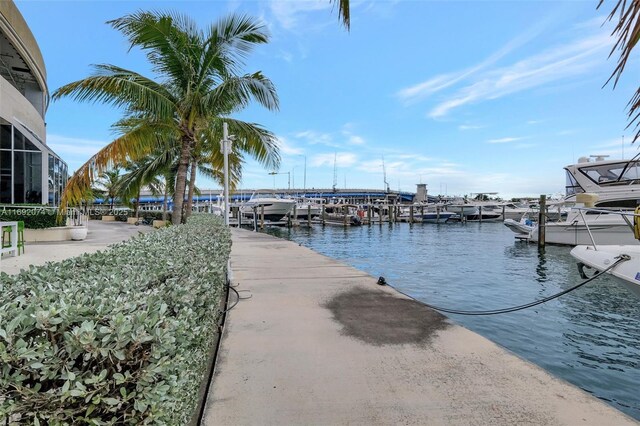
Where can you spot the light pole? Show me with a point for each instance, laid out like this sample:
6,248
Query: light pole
226,149
284,173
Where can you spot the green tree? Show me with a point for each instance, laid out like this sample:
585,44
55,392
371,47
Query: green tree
199,85
109,181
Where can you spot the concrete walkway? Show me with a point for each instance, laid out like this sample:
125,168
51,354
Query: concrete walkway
319,343
100,236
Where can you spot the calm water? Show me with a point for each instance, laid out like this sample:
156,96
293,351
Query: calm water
590,337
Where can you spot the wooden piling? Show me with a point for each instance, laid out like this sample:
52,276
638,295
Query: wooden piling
411,214
309,216
369,213
542,221
480,213
323,215
262,216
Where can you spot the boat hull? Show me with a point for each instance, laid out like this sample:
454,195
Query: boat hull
573,234
627,272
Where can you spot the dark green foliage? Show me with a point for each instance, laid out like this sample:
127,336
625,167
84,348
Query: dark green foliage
33,218
115,337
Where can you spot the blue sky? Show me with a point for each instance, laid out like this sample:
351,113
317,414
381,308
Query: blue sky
466,96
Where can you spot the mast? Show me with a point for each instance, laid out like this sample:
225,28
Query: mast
335,172
384,174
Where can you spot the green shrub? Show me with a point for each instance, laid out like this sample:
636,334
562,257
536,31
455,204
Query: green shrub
33,218
120,336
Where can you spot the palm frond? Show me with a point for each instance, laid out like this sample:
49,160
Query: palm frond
235,93
121,88
627,31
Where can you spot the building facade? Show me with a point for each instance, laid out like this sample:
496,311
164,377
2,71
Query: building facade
30,172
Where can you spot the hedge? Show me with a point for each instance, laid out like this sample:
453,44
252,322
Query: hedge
120,336
33,218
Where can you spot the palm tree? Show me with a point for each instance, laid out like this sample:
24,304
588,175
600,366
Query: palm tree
627,31
199,83
109,180
344,13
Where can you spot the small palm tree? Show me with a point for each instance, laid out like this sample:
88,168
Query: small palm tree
109,180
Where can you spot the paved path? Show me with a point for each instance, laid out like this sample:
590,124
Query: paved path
100,236
319,343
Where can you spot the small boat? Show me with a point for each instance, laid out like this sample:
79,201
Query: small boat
523,226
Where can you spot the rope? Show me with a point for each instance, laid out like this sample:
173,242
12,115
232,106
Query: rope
621,258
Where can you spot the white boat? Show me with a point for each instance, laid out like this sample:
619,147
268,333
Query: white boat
305,207
616,182
584,226
601,257
268,204
521,227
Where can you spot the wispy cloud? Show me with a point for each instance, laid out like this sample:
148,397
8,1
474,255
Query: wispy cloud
287,148
77,147
552,65
465,127
505,140
531,122
316,138
342,159
440,82
289,14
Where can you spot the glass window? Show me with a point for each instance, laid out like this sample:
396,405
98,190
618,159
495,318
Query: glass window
572,187
51,181
5,177
5,136
613,174
27,176
20,141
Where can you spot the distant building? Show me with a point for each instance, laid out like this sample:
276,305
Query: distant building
30,172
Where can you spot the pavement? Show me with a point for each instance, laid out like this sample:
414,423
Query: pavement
317,342
100,236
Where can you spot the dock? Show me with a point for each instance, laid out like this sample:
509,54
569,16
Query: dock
319,342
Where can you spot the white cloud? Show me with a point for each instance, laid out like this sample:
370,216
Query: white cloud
287,148
342,159
316,138
443,81
552,65
356,140
504,140
77,147
289,13
464,127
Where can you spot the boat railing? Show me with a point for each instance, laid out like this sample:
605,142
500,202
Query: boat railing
625,214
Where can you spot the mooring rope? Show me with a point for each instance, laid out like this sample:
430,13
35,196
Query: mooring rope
621,258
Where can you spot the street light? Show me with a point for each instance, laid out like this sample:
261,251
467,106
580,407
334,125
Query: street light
284,173
226,149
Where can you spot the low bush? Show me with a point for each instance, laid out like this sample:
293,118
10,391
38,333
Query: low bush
33,218
120,336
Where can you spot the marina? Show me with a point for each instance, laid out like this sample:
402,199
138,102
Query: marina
590,337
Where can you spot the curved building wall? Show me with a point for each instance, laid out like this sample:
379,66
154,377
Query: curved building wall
30,172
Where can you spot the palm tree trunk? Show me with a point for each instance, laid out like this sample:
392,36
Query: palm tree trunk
192,186
164,201
137,206
181,180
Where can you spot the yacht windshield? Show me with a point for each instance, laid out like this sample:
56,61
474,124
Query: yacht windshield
572,186
613,174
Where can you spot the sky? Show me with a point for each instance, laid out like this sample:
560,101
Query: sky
465,96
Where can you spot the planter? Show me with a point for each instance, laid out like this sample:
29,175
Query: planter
78,233
108,218
160,223
132,220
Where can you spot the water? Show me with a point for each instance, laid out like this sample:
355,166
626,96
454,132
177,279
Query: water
590,337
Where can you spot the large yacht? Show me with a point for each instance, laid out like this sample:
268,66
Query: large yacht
616,182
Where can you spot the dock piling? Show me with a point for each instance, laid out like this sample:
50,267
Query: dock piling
542,221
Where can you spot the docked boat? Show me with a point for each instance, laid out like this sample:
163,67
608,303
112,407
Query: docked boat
584,226
521,227
601,257
268,204
308,207
616,182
